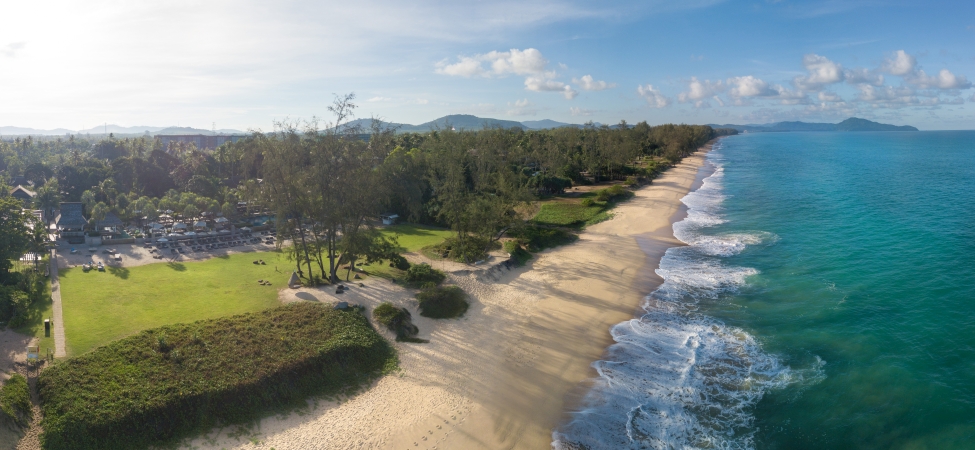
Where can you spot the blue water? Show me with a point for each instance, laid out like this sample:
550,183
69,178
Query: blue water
826,299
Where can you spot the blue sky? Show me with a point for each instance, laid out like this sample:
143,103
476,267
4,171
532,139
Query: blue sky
243,64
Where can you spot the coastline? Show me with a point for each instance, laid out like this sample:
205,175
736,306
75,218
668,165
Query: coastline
515,366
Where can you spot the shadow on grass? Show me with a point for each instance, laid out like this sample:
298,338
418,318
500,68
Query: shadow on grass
121,272
179,267
34,325
306,296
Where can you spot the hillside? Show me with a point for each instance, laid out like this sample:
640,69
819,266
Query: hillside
851,124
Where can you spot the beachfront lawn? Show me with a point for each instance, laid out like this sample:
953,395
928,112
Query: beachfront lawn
101,307
565,212
412,237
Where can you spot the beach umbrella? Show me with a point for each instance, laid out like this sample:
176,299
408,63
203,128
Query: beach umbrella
180,226
191,233
200,224
162,240
155,225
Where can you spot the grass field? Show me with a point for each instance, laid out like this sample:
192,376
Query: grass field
570,213
100,307
413,237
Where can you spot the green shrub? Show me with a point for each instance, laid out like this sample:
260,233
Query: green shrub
399,262
613,193
468,250
536,239
397,320
418,274
15,404
565,214
587,202
518,253
129,394
442,302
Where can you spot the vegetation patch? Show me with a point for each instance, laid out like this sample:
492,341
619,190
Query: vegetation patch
15,407
470,249
100,307
422,276
535,238
397,320
166,383
566,213
442,302
518,253
413,237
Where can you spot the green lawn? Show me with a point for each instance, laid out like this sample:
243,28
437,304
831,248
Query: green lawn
569,213
414,237
100,307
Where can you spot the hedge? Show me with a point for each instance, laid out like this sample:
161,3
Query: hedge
167,383
15,404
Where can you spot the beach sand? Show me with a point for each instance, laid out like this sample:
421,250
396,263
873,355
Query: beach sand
507,373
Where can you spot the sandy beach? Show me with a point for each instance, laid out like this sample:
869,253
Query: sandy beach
507,373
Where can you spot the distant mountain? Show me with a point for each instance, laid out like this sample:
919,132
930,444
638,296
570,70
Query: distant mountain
466,122
546,124
117,129
851,124
190,130
22,131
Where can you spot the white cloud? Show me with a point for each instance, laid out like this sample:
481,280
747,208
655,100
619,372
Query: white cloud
587,83
576,111
829,97
943,80
749,86
899,63
466,67
863,76
10,50
522,108
379,99
887,95
653,96
528,62
822,72
698,90
519,62
421,101
544,84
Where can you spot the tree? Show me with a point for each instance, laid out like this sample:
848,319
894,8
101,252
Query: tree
15,236
49,197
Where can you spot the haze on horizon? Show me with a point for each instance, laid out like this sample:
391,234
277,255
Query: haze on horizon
242,65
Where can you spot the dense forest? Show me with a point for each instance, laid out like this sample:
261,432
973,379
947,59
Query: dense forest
326,181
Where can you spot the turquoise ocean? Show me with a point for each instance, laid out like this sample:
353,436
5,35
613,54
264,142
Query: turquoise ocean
825,300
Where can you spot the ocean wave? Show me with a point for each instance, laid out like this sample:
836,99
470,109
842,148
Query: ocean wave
676,378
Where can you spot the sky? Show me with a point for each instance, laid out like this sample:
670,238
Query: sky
246,64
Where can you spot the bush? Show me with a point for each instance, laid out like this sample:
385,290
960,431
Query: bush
587,202
613,193
399,262
418,274
468,250
15,404
143,390
536,239
518,253
443,302
397,320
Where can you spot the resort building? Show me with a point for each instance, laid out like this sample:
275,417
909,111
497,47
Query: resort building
23,194
71,222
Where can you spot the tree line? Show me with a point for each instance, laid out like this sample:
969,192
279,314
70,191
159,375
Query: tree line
325,180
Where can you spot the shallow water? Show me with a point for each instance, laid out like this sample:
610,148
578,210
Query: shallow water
826,299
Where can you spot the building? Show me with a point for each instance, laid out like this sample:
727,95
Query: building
23,194
200,140
71,222
109,226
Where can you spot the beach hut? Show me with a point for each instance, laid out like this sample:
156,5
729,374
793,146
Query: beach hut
200,225
294,282
180,226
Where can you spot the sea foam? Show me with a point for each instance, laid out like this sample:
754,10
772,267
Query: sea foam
676,378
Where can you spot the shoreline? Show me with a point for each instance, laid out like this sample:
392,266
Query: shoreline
509,372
